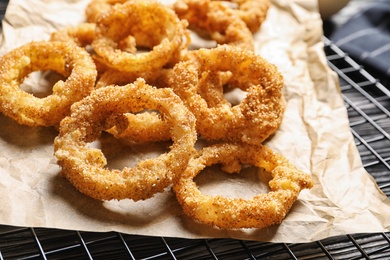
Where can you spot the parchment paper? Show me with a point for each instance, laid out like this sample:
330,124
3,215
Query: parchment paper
315,135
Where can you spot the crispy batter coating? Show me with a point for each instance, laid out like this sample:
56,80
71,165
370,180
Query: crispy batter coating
222,23
233,213
72,62
255,118
148,126
158,78
252,12
97,7
153,26
81,34
144,127
85,166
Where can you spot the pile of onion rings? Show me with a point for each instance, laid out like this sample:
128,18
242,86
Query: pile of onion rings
130,71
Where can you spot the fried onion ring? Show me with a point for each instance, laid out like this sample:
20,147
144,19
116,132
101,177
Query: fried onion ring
252,12
154,27
233,213
141,127
81,34
255,118
84,166
158,78
219,21
97,7
72,62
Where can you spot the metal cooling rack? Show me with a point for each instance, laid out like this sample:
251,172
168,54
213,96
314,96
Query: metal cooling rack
367,101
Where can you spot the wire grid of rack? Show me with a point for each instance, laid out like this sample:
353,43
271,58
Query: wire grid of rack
367,101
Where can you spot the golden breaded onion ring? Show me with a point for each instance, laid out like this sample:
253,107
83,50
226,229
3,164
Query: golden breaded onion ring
252,12
153,26
97,7
148,126
141,128
81,34
255,118
233,213
84,166
72,62
219,21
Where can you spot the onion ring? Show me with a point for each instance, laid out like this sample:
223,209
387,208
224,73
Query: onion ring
84,166
220,21
153,26
158,78
97,7
141,127
254,119
233,213
81,34
72,62
252,12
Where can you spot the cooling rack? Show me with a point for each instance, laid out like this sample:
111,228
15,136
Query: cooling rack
367,101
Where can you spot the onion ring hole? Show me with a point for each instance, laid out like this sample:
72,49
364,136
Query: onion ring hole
118,151
245,184
40,83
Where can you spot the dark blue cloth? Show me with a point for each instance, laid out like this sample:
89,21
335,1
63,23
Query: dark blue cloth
366,37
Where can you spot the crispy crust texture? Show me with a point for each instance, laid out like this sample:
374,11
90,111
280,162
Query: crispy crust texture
81,34
149,25
85,166
217,20
233,213
255,118
72,62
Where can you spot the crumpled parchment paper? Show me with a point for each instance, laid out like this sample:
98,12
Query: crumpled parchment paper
315,135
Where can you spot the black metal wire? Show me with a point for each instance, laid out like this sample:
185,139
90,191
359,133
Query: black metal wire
126,246
38,243
323,248
368,103
169,250
207,245
84,245
250,254
289,251
361,250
